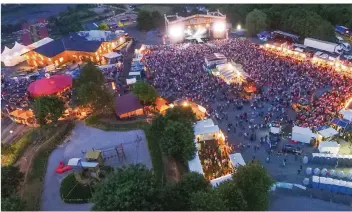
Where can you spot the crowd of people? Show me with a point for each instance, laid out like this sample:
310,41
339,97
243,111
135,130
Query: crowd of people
214,163
178,73
14,92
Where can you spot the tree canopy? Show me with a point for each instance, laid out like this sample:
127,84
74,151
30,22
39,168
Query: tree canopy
311,20
177,140
256,22
127,189
254,182
232,196
180,113
103,26
207,201
149,20
11,177
90,88
48,109
145,92
12,203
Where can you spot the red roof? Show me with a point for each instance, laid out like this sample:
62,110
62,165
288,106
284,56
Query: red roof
48,86
126,103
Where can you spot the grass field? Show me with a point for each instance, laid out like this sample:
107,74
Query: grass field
162,9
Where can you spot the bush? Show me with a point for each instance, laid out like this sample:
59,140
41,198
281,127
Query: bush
73,192
12,152
96,122
156,155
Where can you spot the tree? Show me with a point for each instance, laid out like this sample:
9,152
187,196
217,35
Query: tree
157,126
11,177
145,92
177,140
157,19
48,109
144,20
207,201
176,197
90,89
232,196
130,188
256,21
103,26
181,113
12,203
254,182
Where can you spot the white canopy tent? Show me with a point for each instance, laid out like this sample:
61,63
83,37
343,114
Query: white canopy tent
331,147
39,43
275,130
347,114
112,55
216,182
237,160
131,81
12,57
195,165
327,133
301,134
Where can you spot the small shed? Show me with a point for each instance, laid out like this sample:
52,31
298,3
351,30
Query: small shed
128,105
95,155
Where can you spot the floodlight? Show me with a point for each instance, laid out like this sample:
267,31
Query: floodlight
219,26
239,27
175,31
185,104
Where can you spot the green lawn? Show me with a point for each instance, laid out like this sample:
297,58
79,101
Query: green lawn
73,192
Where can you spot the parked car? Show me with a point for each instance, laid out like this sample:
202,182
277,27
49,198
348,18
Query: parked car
291,149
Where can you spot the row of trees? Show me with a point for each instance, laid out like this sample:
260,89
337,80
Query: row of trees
135,188
11,178
149,20
315,21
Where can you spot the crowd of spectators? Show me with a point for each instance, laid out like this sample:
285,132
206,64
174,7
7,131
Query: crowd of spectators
178,73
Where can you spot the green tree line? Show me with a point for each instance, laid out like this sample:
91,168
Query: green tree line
317,20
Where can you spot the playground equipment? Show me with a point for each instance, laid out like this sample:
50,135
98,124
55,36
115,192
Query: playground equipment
61,168
84,170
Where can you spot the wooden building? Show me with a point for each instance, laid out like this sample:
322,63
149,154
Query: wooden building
75,47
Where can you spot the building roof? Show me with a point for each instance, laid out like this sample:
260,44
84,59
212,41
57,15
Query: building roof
72,42
93,154
126,103
48,86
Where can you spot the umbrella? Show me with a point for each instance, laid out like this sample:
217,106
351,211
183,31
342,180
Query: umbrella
340,174
332,172
305,160
306,181
324,172
316,171
309,171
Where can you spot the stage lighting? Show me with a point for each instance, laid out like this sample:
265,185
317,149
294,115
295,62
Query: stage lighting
239,27
175,31
219,26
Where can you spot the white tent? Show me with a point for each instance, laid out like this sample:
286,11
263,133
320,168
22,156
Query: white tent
301,134
39,43
207,130
328,132
131,81
329,147
12,57
216,182
347,114
275,130
112,55
195,165
237,160
204,123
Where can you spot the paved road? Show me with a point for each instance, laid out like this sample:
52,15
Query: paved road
8,125
85,138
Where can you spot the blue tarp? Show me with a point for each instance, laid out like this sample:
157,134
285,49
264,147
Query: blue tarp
340,122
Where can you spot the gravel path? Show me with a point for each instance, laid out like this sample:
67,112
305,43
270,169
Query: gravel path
85,138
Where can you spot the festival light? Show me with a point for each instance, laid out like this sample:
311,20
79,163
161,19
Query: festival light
175,31
267,45
219,27
172,105
185,104
239,27
347,103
